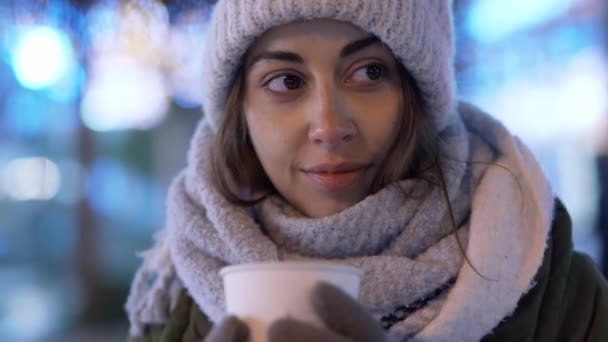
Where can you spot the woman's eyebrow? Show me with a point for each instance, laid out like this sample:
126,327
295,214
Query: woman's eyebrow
358,45
287,56
276,55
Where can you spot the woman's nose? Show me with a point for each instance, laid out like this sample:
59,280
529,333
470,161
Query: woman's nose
331,122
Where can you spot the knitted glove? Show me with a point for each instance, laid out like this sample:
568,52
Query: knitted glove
230,329
346,319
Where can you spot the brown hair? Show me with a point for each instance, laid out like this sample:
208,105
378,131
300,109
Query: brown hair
234,161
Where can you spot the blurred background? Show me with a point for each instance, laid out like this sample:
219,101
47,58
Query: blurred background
98,100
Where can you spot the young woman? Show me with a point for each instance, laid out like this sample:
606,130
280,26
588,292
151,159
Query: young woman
331,132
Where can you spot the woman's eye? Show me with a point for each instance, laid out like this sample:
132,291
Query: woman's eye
284,83
370,72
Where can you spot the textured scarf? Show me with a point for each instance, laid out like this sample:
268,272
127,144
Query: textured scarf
401,237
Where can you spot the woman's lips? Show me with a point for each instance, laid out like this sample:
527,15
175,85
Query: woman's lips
335,177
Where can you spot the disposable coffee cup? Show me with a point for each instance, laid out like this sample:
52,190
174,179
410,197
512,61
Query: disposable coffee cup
261,293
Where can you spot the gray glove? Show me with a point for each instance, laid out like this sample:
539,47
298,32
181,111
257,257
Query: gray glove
346,319
230,329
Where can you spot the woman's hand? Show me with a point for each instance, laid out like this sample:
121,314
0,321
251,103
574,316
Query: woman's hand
346,319
230,329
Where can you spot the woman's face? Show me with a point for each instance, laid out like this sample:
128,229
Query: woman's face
323,104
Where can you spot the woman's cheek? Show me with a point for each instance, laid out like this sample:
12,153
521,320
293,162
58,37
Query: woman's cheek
380,112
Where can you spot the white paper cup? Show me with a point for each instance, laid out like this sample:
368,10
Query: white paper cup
261,293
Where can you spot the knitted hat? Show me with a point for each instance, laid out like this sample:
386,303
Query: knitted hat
419,33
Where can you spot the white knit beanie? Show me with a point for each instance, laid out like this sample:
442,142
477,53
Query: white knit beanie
419,33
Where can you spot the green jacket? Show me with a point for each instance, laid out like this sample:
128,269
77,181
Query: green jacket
568,303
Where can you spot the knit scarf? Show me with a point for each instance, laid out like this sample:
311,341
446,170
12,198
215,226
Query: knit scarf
402,237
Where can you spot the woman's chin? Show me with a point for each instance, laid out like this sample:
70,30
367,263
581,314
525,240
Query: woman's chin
323,207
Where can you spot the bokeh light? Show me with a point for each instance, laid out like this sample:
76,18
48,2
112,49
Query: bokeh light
187,40
123,94
28,313
492,20
107,183
554,101
30,179
127,87
24,113
42,57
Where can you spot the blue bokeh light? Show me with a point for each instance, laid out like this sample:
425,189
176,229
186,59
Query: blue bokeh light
24,113
29,113
42,57
119,192
107,184
67,89
490,20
